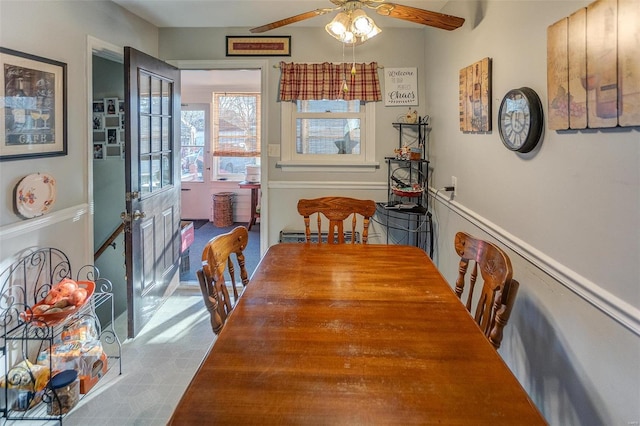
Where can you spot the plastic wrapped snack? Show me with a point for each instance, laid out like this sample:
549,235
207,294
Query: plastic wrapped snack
25,382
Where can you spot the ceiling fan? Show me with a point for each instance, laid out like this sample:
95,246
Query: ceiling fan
407,13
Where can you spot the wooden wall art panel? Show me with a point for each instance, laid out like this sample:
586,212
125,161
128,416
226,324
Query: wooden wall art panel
629,61
475,97
602,56
558,75
602,53
578,84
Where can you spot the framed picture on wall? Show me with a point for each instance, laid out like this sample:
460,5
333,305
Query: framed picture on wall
98,121
111,106
113,136
98,151
98,106
33,122
121,106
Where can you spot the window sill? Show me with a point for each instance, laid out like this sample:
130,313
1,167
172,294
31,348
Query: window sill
300,166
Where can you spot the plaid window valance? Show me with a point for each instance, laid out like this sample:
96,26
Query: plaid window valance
326,81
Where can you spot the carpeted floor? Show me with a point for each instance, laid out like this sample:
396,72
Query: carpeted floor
203,232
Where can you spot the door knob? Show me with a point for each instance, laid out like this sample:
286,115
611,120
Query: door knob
126,217
139,215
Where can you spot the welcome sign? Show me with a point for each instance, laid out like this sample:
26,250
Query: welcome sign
400,86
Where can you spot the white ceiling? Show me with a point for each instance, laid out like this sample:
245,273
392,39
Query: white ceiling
249,13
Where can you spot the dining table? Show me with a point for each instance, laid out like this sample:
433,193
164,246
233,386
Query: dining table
351,334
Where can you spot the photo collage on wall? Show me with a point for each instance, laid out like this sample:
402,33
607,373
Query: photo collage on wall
108,128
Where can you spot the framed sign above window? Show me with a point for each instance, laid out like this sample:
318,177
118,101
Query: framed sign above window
258,46
33,95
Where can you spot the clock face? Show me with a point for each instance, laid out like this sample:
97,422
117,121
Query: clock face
520,120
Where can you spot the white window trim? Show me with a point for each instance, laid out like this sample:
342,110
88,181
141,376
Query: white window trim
290,160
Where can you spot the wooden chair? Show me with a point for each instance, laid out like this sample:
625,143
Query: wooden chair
216,257
495,300
337,210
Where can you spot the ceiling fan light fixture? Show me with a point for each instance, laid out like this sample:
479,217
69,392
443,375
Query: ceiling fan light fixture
361,24
348,37
375,30
338,26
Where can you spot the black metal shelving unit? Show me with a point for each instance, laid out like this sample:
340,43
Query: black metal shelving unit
406,213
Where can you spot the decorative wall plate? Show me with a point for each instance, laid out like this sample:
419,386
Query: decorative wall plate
35,195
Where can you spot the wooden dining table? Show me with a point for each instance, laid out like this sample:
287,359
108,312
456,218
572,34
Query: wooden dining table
351,335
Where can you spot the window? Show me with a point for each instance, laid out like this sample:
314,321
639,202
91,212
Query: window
194,125
327,133
236,133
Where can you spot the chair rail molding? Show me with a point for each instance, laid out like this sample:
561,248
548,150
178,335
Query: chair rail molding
33,225
284,184
616,308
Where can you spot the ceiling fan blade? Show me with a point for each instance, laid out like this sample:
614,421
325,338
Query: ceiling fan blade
420,16
290,20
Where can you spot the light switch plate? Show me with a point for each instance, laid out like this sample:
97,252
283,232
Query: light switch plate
273,150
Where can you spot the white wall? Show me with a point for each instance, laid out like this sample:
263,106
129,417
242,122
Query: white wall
568,214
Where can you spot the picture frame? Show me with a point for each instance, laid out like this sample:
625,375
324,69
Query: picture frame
98,151
111,106
121,106
98,121
33,120
98,107
258,45
475,97
113,136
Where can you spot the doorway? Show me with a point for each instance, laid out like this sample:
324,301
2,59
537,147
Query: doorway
221,134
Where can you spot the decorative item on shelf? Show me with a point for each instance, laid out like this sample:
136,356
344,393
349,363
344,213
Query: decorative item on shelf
414,190
415,153
411,117
64,299
408,153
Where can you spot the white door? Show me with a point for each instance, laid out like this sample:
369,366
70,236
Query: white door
196,161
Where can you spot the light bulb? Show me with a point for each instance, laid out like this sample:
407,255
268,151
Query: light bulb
347,37
361,24
338,26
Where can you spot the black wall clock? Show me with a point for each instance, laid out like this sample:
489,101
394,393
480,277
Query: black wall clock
520,120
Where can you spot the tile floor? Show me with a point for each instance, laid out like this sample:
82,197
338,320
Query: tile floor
157,366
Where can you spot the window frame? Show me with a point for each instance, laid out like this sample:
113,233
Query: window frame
292,161
206,147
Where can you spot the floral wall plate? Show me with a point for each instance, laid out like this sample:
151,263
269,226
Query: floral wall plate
35,195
